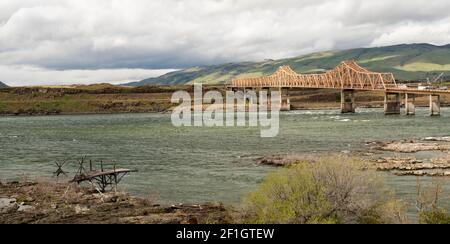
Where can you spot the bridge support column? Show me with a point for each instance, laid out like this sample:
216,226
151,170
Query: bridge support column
258,91
285,100
392,103
435,105
348,101
410,106
254,100
248,99
269,96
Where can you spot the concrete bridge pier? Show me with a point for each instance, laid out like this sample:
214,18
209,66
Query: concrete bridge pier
392,103
348,101
250,97
285,100
269,95
256,91
410,106
435,105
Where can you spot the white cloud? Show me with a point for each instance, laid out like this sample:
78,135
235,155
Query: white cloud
30,76
438,33
59,35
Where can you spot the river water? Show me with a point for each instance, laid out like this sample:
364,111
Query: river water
198,164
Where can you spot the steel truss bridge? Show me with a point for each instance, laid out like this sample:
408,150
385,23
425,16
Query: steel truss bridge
347,77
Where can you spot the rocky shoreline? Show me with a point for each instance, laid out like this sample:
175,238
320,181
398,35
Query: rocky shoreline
411,166
400,166
439,167
412,146
52,203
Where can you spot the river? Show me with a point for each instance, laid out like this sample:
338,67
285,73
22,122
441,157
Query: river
192,165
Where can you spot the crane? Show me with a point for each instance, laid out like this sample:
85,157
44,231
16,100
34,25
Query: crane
435,80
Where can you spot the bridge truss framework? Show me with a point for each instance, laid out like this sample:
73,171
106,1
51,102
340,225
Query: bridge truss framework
347,77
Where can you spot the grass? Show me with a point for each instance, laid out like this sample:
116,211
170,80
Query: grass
376,59
2,106
424,67
193,69
316,56
250,75
214,78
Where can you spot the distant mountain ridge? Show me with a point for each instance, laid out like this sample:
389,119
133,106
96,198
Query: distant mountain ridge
3,85
408,62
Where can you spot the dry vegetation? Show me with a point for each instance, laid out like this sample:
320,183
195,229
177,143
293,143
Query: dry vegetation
329,191
85,99
46,202
432,204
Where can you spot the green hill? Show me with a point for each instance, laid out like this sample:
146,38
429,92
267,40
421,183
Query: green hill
412,62
3,85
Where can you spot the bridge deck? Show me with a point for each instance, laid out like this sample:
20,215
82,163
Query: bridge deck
419,92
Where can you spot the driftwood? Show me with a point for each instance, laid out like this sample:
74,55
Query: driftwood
60,170
101,178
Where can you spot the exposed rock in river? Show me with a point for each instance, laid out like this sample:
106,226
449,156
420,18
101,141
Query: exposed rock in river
412,166
424,173
444,138
285,160
393,163
413,146
400,166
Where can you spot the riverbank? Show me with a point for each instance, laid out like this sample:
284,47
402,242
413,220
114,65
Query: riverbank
108,99
98,99
46,202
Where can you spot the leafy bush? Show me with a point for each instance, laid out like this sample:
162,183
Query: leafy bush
333,190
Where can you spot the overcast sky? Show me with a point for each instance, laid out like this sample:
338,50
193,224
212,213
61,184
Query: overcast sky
90,41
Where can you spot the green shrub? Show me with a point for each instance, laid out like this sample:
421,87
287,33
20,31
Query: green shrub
333,190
